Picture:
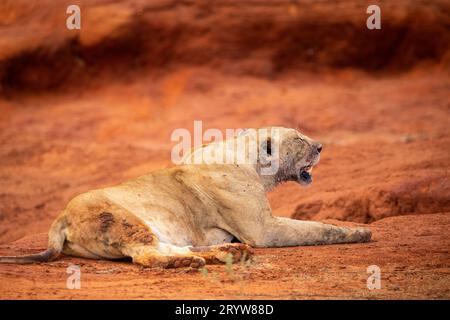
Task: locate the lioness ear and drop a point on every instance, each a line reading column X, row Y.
column 266, row 147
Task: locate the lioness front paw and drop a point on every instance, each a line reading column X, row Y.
column 188, row 261
column 361, row 235
column 238, row 251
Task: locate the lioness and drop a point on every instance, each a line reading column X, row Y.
column 189, row 215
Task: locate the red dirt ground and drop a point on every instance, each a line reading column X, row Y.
column 414, row 265
column 67, row 127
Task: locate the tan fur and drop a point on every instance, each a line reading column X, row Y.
column 187, row 215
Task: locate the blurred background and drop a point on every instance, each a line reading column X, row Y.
column 82, row 109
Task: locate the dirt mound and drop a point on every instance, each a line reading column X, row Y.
column 263, row 38
column 429, row 194
column 369, row 180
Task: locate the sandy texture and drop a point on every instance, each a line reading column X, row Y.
column 411, row 253
column 93, row 108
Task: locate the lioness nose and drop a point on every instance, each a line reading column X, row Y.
column 319, row 147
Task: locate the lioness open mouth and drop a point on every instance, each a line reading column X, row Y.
column 305, row 174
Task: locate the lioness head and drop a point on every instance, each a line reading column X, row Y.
column 297, row 154
column 278, row 154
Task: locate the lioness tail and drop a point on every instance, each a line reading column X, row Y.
column 56, row 238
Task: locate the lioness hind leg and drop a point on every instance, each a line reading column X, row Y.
column 100, row 229
column 149, row 256
column 170, row 256
column 219, row 253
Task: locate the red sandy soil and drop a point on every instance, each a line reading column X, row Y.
column 413, row 262
column 67, row 128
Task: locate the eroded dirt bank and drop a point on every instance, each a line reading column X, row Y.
column 259, row 37
column 91, row 109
